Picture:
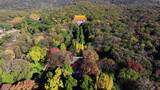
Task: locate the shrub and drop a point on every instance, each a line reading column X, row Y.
column 5, row 26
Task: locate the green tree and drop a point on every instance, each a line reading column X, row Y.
column 37, row 67
column 67, row 70
column 128, row 74
column 13, row 71
column 63, row 46
column 70, row 82
column 87, row 83
column 37, row 54
column 7, row 78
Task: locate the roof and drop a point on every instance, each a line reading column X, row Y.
column 80, row 17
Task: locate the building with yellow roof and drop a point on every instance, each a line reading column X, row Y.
column 79, row 19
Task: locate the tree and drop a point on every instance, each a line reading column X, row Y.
column 108, row 65
column 26, row 84
column 128, row 74
column 87, row 83
column 37, row 53
column 89, row 63
column 89, row 68
column 55, row 83
column 104, row 81
column 67, row 70
column 79, row 39
column 90, row 55
column 70, row 82
column 15, row 70
column 9, row 54
column 59, row 58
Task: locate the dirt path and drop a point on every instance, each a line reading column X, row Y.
column 8, row 32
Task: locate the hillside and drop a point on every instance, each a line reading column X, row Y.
column 29, row 4
column 82, row 46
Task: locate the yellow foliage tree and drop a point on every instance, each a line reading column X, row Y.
column 78, row 46
column 55, row 82
column 104, row 81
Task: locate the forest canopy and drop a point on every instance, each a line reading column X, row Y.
column 116, row 48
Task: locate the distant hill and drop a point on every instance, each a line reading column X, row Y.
column 27, row 4
column 137, row 2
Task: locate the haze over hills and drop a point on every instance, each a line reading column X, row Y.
column 23, row 4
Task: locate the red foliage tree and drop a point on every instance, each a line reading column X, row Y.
column 58, row 57
column 52, row 51
column 89, row 64
column 135, row 66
